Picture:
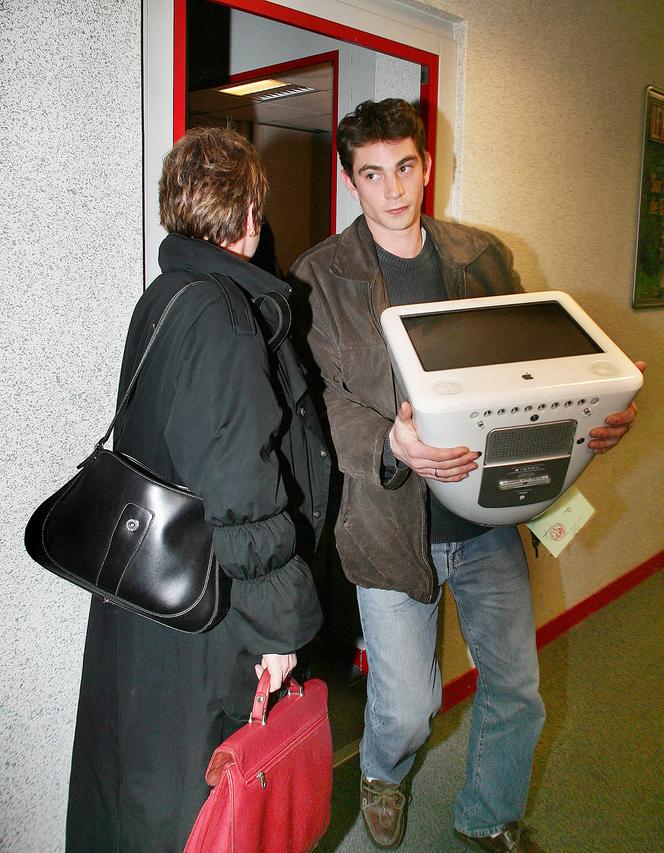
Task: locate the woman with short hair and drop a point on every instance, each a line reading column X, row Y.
column 215, row 410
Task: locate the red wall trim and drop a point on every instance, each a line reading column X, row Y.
column 333, row 164
column 559, row 624
column 458, row 689
column 429, row 114
column 179, row 68
column 464, row 685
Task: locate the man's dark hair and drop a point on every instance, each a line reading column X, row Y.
column 378, row 121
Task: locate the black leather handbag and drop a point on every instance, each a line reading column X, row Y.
column 121, row 532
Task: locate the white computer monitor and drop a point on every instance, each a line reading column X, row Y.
column 523, row 378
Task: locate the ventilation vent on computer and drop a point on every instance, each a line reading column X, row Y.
column 515, row 444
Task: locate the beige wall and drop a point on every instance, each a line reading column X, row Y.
column 553, row 116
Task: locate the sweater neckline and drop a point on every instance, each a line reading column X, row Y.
column 427, row 251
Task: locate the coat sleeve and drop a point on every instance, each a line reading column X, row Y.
column 357, row 430
column 222, row 434
column 493, row 273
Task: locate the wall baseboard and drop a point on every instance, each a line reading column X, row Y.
column 464, row 685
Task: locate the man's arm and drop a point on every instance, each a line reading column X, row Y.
column 358, row 431
column 447, row 465
column 617, row 425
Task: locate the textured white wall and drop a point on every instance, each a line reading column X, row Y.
column 394, row 75
column 71, row 270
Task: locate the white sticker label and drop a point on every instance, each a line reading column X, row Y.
column 556, row 527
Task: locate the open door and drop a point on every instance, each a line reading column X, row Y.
column 396, row 52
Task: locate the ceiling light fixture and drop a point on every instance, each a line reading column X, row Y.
column 267, row 90
column 253, row 87
column 286, row 92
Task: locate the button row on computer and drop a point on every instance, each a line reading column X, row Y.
column 530, row 408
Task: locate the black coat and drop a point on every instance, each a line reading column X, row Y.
column 214, row 411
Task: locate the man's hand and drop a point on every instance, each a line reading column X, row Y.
column 279, row 667
column 447, row 465
column 618, row 425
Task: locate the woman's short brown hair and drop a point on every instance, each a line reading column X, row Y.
column 379, row 121
column 210, row 179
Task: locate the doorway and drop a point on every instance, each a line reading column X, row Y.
column 219, row 44
column 391, row 51
column 369, row 65
column 288, row 110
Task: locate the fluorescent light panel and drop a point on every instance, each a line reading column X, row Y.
column 253, row 87
column 267, row 90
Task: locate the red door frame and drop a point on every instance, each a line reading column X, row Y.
column 332, row 57
column 312, row 23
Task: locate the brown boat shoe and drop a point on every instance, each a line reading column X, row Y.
column 512, row 839
column 383, row 806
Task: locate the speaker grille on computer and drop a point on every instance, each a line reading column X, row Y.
column 512, row 444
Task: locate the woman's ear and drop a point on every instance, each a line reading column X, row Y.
column 252, row 227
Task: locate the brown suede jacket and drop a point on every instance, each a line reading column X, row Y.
column 381, row 533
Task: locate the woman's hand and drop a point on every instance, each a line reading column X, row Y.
column 279, row 667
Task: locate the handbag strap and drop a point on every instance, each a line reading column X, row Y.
column 259, row 708
column 134, row 378
column 284, row 314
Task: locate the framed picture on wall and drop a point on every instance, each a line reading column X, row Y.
column 649, row 265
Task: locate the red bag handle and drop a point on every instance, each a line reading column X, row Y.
column 221, row 757
column 259, row 708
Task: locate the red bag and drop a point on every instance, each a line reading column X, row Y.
column 271, row 780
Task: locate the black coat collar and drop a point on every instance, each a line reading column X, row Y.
column 178, row 253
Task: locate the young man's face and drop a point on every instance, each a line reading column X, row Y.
column 388, row 180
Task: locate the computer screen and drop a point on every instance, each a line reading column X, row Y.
column 448, row 340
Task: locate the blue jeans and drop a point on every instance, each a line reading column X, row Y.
column 489, row 579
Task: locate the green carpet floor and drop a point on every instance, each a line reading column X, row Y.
column 598, row 779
